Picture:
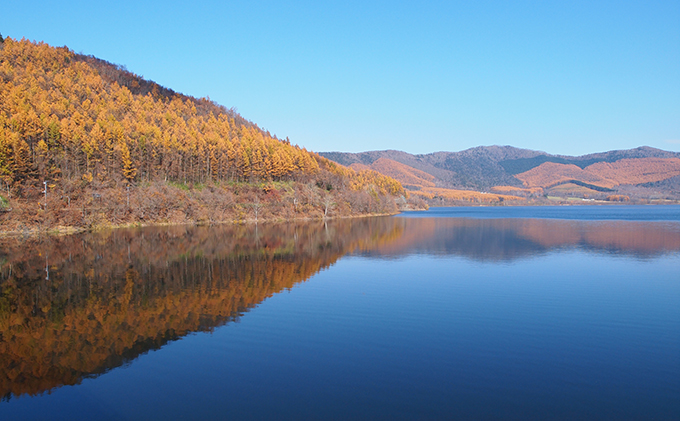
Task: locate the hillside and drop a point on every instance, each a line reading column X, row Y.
column 551, row 174
column 422, row 185
column 407, row 175
column 638, row 170
column 84, row 142
column 477, row 168
column 604, row 176
column 640, row 174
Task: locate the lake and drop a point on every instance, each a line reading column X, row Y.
column 470, row 313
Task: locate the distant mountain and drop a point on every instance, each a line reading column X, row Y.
column 477, row 168
column 516, row 166
column 651, row 171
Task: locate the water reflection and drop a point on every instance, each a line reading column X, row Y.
column 509, row 239
column 75, row 307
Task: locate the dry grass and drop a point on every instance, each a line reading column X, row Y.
column 637, row 171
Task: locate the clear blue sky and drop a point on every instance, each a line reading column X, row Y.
column 564, row 77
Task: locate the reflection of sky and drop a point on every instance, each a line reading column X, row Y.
column 425, row 336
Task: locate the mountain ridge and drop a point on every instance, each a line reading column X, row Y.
column 653, row 172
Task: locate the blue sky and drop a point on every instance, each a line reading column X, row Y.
column 564, row 77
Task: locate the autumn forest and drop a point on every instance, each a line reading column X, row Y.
column 85, row 143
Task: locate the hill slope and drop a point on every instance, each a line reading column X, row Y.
column 643, row 171
column 111, row 147
column 477, row 168
column 407, row 175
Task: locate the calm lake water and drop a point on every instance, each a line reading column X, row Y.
column 471, row 313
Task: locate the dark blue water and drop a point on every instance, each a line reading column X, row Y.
column 420, row 318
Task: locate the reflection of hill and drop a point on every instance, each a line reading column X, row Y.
column 105, row 299
column 508, row 239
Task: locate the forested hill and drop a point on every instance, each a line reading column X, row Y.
column 644, row 172
column 93, row 132
column 486, row 166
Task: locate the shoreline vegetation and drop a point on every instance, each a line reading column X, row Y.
column 163, row 204
column 267, row 216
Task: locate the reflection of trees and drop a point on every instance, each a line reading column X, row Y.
column 113, row 296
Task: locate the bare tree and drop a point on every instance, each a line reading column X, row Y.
column 257, row 205
column 328, row 204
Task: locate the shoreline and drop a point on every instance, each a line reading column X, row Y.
column 71, row 230
column 68, row 230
